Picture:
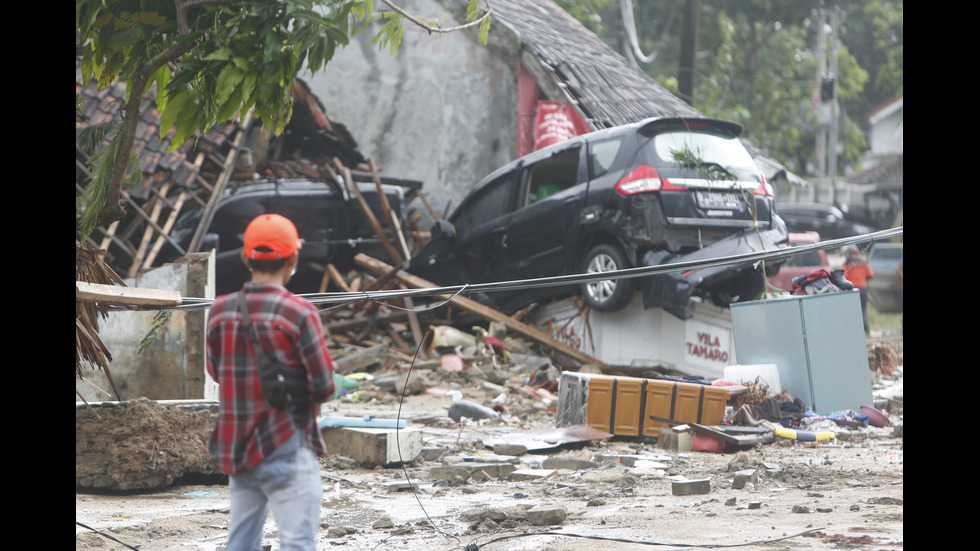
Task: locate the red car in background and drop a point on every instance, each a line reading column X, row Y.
column 800, row 264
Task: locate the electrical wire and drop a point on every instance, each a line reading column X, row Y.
column 475, row 547
column 344, row 298
column 629, row 23
column 107, row 536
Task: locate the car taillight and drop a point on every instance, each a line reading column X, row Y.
column 642, row 179
column 764, row 189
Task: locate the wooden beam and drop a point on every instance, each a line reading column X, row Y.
column 127, row 296
column 528, row 331
column 393, row 222
column 368, row 213
column 167, row 226
column 229, row 167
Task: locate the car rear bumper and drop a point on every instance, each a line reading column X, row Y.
column 673, row 290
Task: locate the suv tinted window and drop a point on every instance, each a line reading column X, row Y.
column 602, row 155
column 493, row 201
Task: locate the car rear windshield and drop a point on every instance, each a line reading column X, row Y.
column 698, row 154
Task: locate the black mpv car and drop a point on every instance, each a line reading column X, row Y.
column 657, row 191
column 329, row 220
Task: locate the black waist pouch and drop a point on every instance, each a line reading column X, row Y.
column 283, row 386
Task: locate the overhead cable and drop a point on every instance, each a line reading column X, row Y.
column 629, row 23
column 556, row 281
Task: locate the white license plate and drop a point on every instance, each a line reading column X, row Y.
column 714, row 200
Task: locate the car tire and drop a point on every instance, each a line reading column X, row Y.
column 606, row 295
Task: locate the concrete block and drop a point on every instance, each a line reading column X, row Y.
column 670, row 440
column 482, row 471
column 433, row 453
column 569, row 463
column 510, row 449
column 743, row 478
column 532, row 474
column 370, row 446
column 690, row 487
column 546, row 515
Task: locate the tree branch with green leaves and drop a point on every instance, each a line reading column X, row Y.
column 207, row 61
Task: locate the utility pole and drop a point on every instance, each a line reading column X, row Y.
column 821, row 137
column 834, row 106
column 689, row 49
column 827, row 108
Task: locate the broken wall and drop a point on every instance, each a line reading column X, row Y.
column 172, row 366
column 443, row 111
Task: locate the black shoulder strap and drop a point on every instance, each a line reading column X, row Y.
column 246, row 319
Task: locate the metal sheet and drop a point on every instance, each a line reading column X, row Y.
column 549, row 439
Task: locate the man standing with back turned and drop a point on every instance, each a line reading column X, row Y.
column 269, row 454
column 859, row 272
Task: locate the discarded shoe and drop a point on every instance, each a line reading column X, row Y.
column 838, row 279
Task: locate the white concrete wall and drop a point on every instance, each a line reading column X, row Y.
column 172, row 367
column 444, row 111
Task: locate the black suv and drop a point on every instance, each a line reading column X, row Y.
column 330, row 222
column 657, row 191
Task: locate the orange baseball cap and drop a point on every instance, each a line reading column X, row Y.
column 275, row 232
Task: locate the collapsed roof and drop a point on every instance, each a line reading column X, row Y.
column 186, row 177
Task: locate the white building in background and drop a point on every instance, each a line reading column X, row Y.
column 885, row 129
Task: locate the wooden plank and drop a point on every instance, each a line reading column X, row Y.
column 110, row 232
column 371, row 218
column 337, row 278
column 393, row 223
column 413, row 323
column 428, row 207
column 148, row 231
column 383, row 282
column 144, row 217
column 126, row 296
column 174, row 213
column 528, row 331
column 219, row 187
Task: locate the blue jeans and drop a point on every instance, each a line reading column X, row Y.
column 288, row 483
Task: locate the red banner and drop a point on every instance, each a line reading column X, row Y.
column 556, row 122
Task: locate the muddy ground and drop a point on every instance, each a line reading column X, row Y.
column 842, row 493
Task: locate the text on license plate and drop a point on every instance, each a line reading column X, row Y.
column 715, row 200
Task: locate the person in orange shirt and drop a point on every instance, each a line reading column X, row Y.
column 858, row 272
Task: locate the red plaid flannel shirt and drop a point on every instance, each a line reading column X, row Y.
column 289, row 327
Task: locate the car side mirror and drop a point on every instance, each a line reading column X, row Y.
column 442, row 230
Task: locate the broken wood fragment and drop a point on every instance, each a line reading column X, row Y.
column 127, row 296
column 393, row 221
column 368, row 213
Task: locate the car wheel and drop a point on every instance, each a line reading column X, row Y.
column 607, row 295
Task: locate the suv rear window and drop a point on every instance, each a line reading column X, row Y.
column 679, row 148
